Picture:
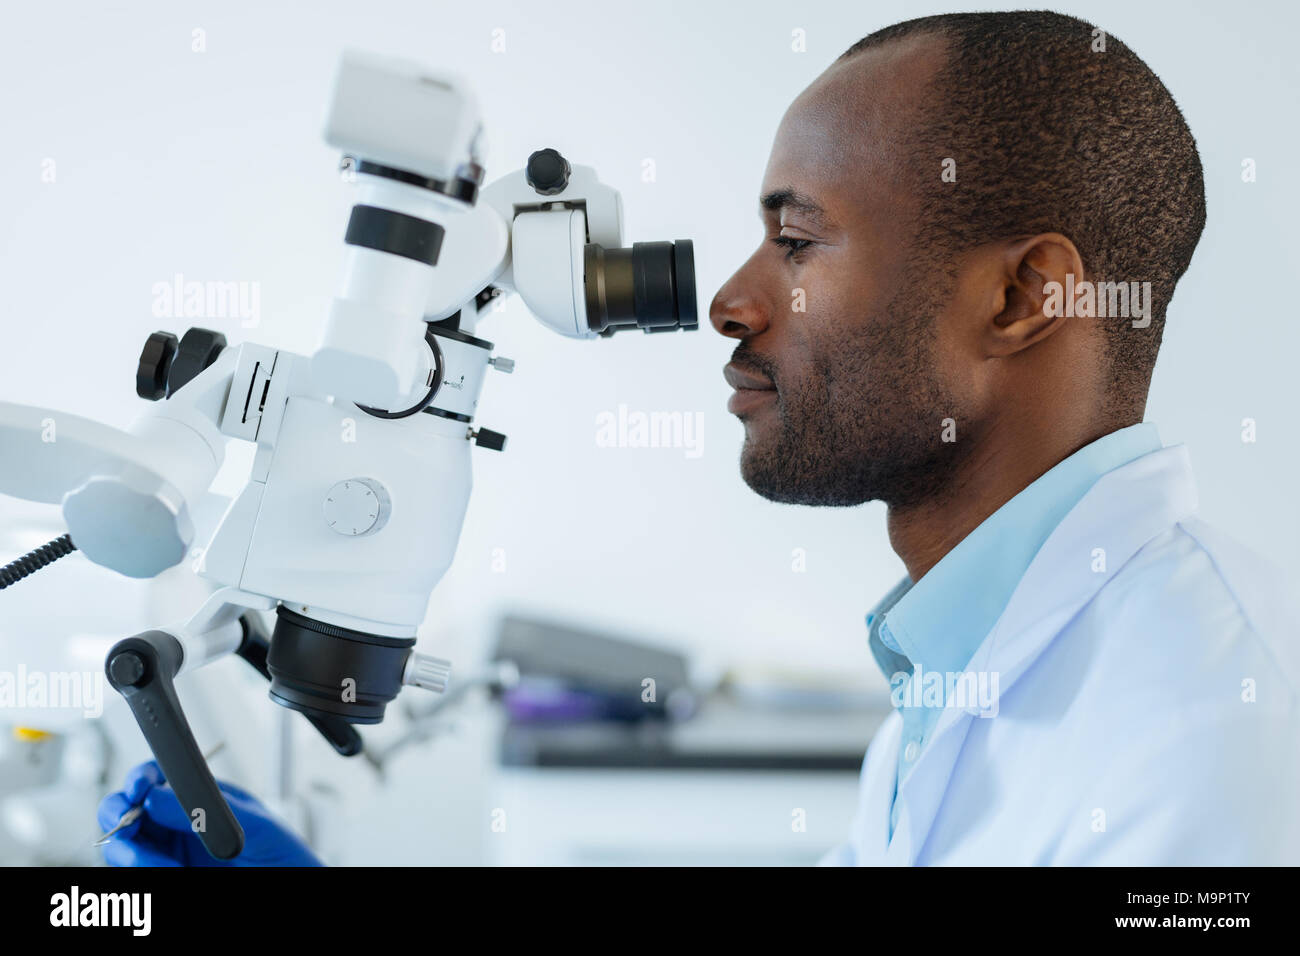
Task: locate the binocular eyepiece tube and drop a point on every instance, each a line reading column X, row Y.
column 650, row 286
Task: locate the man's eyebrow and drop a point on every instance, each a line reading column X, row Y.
column 795, row 201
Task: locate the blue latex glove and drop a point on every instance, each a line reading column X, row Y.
column 162, row 835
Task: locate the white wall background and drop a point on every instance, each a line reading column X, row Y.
column 211, row 165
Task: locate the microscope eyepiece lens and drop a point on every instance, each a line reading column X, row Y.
column 650, row 286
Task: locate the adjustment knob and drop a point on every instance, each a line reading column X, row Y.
column 134, row 497
column 547, row 172
column 487, row 438
column 198, row 349
column 357, row 506
column 126, row 667
column 155, row 364
column 431, row 673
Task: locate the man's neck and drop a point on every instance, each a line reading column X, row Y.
column 1005, row 462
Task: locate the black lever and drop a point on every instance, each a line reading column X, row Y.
column 142, row 669
column 342, row 736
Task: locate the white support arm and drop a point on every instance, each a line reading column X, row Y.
column 125, row 494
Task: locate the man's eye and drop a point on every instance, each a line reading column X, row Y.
column 792, row 244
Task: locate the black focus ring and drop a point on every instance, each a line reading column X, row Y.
column 395, row 232
column 462, row 190
column 443, row 413
column 333, row 630
column 654, row 293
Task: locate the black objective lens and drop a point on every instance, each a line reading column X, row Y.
column 650, row 286
column 329, row 671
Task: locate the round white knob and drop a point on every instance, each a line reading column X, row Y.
column 357, row 506
column 423, row 670
column 102, row 510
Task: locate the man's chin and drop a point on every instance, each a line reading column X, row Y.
column 783, row 475
column 763, row 469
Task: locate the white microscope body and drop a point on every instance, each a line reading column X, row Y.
column 361, row 477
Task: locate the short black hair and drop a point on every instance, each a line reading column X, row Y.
column 1051, row 134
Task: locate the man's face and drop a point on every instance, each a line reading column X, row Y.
column 839, row 367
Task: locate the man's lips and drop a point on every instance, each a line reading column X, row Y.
column 752, row 389
column 738, row 378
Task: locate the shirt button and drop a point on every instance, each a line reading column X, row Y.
column 910, row 752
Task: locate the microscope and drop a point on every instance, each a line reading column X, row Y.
column 361, row 476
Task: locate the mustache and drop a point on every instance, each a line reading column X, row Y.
column 745, row 357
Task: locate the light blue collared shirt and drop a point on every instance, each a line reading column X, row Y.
column 940, row 621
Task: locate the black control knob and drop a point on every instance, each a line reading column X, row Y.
column 547, row 172
column 127, row 668
column 155, row 364
column 487, row 438
column 198, row 349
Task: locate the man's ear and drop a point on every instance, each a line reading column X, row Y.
column 1029, row 303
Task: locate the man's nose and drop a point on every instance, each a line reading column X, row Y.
column 736, row 313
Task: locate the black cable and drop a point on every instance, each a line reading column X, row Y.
column 432, row 340
column 35, row 560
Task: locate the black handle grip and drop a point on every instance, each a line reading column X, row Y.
column 141, row 669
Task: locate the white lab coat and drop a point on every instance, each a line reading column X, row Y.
column 1148, row 712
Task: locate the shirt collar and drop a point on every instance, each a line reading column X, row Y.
column 941, row 620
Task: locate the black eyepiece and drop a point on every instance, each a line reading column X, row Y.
column 650, row 286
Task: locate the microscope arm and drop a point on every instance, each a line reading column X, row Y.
column 45, row 453
column 125, row 494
